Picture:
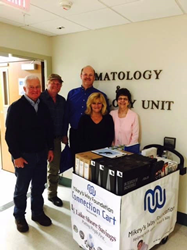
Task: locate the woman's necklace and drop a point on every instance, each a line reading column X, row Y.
column 122, row 113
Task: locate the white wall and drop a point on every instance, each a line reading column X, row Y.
column 21, row 39
column 153, row 45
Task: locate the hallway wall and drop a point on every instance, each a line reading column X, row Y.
column 26, row 44
column 152, row 45
column 19, row 39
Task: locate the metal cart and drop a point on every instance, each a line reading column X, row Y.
column 140, row 219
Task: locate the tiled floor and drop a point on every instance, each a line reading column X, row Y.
column 58, row 236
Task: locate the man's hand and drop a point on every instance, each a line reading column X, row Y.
column 19, row 162
column 65, row 139
column 50, row 156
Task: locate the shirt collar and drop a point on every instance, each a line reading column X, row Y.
column 88, row 90
column 48, row 95
column 31, row 101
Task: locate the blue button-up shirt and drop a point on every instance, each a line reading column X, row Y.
column 76, row 106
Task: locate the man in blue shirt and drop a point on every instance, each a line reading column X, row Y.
column 56, row 104
column 76, row 105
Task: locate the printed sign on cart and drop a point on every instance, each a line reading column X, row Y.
column 95, row 216
column 151, row 211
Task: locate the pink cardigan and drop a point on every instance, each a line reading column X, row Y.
column 126, row 129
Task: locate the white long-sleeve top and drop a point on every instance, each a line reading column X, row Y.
column 126, row 128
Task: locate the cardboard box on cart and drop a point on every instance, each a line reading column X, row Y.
column 82, row 163
column 102, row 220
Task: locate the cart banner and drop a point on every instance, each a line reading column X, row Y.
column 95, row 216
column 149, row 213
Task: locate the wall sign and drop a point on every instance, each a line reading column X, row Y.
column 136, row 75
column 21, row 84
column 128, row 75
column 150, row 104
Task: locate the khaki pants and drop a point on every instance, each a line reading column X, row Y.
column 53, row 170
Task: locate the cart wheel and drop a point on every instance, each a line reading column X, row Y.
column 164, row 240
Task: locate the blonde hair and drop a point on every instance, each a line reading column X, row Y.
column 91, row 99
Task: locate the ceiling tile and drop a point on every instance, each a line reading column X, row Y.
column 33, row 16
column 51, row 26
column 183, row 4
column 11, row 14
column 37, row 15
column 98, row 19
column 79, row 6
column 46, row 15
column 117, row 2
column 149, row 9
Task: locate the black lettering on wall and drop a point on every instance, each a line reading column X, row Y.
column 106, row 77
column 99, row 77
column 128, row 76
column 121, row 75
column 157, row 73
column 132, row 104
column 169, row 104
column 113, row 75
column 147, row 74
column 137, row 75
column 143, row 104
column 154, row 104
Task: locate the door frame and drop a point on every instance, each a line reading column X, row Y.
column 47, row 63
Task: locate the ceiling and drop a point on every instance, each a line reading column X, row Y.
column 49, row 18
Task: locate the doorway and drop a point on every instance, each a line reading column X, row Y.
column 12, row 74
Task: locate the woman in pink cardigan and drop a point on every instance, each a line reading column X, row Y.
column 125, row 120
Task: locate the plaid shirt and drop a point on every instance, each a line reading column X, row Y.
column 57, row 111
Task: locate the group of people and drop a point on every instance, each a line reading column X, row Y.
column 38, row 122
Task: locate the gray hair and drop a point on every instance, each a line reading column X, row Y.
column 30, row 77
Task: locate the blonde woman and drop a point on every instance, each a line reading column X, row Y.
column 96, row 127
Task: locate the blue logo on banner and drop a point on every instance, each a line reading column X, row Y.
column 154, row 199
column 91, row 190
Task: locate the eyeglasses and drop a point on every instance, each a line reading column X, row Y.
column 123, row 99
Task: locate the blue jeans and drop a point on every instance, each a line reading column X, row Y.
column 35, row 172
